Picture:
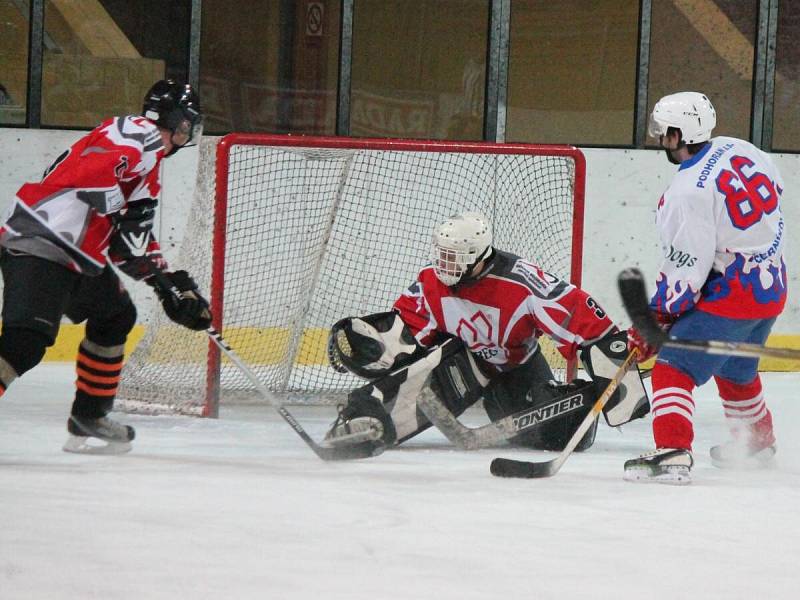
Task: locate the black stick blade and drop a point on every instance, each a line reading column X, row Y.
column 634, row 297
column 507, row 467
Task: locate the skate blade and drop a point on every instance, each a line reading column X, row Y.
column 76, row 444
column 672, row 476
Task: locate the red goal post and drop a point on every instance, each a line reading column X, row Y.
column 307, row 230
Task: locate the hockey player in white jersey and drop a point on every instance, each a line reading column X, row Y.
column 722, row 277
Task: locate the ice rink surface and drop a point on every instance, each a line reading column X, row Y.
column 239, row 508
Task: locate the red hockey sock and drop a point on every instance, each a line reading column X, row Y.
column 746, row 411
column 672, row 407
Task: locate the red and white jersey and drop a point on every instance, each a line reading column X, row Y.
column 722, row 234
column 501, row 314
column 65, row 217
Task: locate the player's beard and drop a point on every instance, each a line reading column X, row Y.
column 671, row 153
column 671, row 157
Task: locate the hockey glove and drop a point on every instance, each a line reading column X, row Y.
column 636, row 341
column 133, row 227
column 371, row 346
column 132, row 246
column 182, row 302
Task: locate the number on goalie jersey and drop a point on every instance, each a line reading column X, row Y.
column 498, row 306
column 94, row 205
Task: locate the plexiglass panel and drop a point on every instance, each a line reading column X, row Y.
column 706, row 46
column 270, row 66
column 101, row 57
column 572, row 71
column 786, row 125
column 419, row 68
column 13, row 61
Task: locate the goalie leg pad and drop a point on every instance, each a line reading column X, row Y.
column 360, row 417
column 549, row 412
column 391, row 400
column 458, row 382
column 448, row 369
column 560, row 408
column 601, row 361
column 508, row 392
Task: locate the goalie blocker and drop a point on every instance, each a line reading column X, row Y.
column 528, row 407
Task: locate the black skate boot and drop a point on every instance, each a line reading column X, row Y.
column 665, row 465
column 114, row 438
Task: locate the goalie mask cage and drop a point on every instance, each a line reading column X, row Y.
column 291, row 234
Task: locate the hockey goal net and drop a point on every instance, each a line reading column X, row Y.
column 291, row 234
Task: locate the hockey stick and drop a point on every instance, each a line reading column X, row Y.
column 634, row 298
column 363, row 449
column 471, row 438
column 507, row 467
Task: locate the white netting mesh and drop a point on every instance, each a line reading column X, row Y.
column 314, row 235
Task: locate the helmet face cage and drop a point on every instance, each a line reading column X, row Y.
column 458, row 244
column 691, row 112
column 450, row 264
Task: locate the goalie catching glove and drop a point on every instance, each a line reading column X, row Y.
column 371, row 346
column 181, row 299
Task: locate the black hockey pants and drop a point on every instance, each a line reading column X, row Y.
column 37, row 293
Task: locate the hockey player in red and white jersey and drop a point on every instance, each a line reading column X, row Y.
column 94, row 207
column 497, row 305
column 722, row 277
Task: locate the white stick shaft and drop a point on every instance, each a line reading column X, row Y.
column 593, row 414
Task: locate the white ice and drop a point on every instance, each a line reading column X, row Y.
column 239, row 508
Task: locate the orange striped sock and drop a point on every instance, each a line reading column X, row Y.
column 98, row 368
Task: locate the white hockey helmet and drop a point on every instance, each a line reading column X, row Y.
column 459, row 244
column 691, row 112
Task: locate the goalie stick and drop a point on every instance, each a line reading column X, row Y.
column 363, row 449
column 634, row 298
column 507, row 467
column 472, row 438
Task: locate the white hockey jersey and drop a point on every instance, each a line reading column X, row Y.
column 722, row 233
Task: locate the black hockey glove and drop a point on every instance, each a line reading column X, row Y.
column 132, row 228
column 131, row 238
column 182, row 300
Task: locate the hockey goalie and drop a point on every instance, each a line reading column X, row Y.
column 467, row 330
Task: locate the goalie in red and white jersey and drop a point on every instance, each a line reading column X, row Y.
column 497, row 305
column 95, row 206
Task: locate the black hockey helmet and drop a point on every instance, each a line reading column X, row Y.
column 175, row 107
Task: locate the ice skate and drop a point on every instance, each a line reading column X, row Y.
column 98, row 436
column 352, row 431
column 738, row 454
column 665, row 465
